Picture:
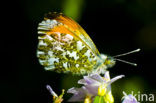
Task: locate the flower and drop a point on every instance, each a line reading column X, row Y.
column 129, row 98
column 93, row 85
column 56, row 98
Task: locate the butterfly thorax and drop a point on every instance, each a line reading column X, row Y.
column 104, row 62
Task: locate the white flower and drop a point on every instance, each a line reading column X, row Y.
column 129, row 98
column 93, row 85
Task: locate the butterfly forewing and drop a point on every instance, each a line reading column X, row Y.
column 64, row 46
column 74, row 27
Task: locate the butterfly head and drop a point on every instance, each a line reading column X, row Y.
column 108, row 61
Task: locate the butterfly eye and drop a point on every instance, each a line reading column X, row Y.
column 110, row 62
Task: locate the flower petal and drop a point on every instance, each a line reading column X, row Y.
column 97, row 77
column 90, row 81
column 107, row 76
column 92, row 89
column 51, row 91
column 79, row 94
column 82, row 81
column 129, row 99
column 115, row 79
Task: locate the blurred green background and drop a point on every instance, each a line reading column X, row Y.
column 116, row 26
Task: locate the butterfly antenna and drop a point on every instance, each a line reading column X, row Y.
column 134, row 64
column 134, row 51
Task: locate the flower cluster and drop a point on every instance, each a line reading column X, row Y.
column 95, row 88
column 94, row 85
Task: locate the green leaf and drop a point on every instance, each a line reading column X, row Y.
column 99, row 99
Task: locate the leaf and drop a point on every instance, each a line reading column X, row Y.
column 99, row 99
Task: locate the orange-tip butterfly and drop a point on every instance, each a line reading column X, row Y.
column 64, row 46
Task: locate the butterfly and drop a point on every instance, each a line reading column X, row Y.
column 64, row 46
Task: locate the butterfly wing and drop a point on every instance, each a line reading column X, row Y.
column 64, row 46
column 75, row 28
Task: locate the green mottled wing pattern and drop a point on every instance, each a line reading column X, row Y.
column 61, row 51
